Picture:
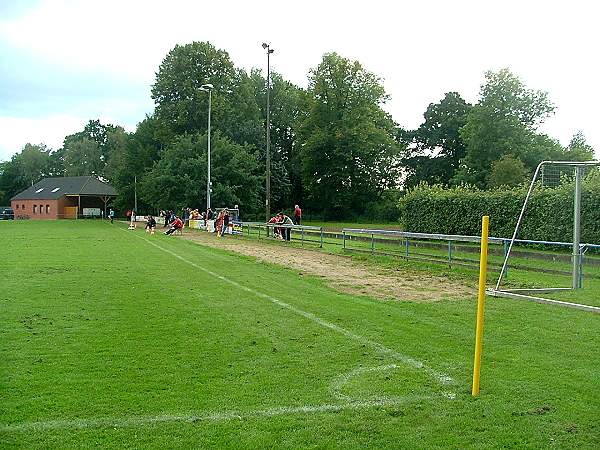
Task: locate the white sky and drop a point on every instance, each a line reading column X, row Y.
column 65, row 62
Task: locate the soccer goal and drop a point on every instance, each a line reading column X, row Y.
column 551, row 174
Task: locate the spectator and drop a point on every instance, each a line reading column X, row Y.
column 287, row 230
column 111, row 214
column 176, row 224
column 219, row 222
column 150, row 225
column 276, row 230
column 225, row 225
column 297, row 215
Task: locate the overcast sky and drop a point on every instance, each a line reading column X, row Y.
column 65, row 62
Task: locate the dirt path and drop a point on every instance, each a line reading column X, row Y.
column 340, row 272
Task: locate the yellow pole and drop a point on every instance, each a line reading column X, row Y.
column 480, row 303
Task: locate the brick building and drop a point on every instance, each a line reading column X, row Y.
column 63, row 198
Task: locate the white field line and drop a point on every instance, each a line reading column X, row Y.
column 409, row 361
column 223, row 416
column 139, row 421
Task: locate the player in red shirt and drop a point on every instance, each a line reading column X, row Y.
column 177, row 224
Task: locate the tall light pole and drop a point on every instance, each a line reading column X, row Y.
column 208, row 88
column 269, row 50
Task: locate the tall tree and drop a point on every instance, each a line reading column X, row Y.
column 178, row 179
column 182, row 105
column 348, row 149
column 436, row 147
column 35, row 162
column 24, row 169
column 504, row 121
column 285, row 110
column 579, row 149
column 88, row 151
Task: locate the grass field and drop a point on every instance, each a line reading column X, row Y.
column 115, row 339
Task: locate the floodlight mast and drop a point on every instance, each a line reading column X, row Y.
column 208, row 88
column 269, row 50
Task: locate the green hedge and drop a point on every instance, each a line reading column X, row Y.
column 458, row 210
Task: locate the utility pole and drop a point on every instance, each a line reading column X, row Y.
column 135, row 194
column 208, row 88
column 267, row 47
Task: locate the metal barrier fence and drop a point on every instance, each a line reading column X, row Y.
column 455, row 249
column 302, row 233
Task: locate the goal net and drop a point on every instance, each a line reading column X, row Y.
column 565, row 248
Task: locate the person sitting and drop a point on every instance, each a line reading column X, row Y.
column 176, row 225
column 150, row 225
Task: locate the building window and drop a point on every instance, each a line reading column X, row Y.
column 17, row 206
column 55, row 189
column 34, row 209
column 41, row 209
column 23, row 207
column 47, row 209
column 39, row 190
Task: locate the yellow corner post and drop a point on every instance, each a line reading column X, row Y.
column 485, row 222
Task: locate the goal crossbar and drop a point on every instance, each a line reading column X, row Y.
column 577, row 251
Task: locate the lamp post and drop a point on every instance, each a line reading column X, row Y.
column 208, row 88
column 269, row 50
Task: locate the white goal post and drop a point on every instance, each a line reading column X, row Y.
column 577, row 171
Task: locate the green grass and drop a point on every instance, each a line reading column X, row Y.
column 108, row 341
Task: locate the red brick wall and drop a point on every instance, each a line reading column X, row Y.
column 24, row 209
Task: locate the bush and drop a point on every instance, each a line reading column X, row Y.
column 458, row 210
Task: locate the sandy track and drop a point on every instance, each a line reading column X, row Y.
column 340, row 272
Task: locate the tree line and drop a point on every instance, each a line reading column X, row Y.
column 334, row 149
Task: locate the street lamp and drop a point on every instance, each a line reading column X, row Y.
column 208, row 88
column 269, row 50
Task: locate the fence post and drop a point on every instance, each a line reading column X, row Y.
column 505, row 245
column 321, row 246
column 581, row 257
column 406, row 245
column 302, row 231
column 372, row 244
column 344, row 239
column 450, row 252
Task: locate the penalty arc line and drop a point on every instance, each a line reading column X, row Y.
column 137, row 421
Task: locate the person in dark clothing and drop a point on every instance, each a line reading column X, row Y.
column 150, row 225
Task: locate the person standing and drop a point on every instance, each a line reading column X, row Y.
column 225, row 225
column 287, row 229
column 111, row 214
column 297, row 215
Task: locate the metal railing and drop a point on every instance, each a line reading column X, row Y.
column 300, row 233
column 447, row 249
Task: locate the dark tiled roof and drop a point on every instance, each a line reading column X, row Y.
column 66, row 186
